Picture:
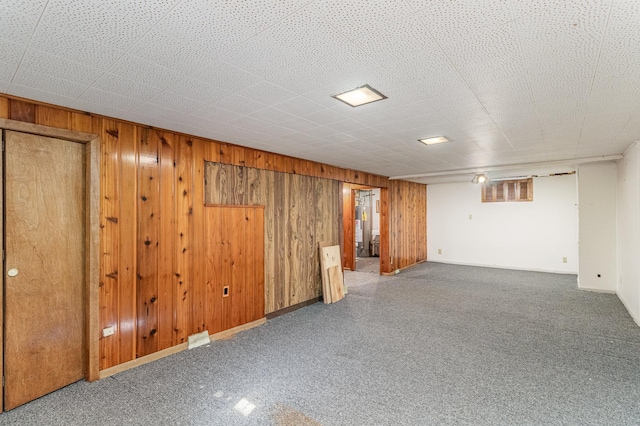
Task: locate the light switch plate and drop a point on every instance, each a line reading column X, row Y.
column 108, row 331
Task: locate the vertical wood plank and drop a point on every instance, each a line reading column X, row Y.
column 241, row 264
column 212, row 151
column 4, row 107
column 279, row 240
column 81, row 122
column 198, row 301
column 183, row 215
column 127, row 240
column 214, row 261
column 148, row 243
column 258, row 286
column 166, row 245
column 22, row 111
column 270, row 283
column 226, row 266
column 109, row 218
column 52, row 117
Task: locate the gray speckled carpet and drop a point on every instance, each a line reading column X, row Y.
column 370, row 265
column 436, row 344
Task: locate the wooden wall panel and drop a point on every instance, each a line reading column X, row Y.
column 183, row 236
column 148, row 238
column 128, row 135
column 299, row 211
column 166, row 239
column 169, row 269
column 22, row 111
column 407, row 209
column 110, row 277
column 198, row 292
column 234, row 259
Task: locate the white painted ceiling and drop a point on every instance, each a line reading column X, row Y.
column 508, row 81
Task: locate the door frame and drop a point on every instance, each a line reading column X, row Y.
column 349, row 202
column 92, row 241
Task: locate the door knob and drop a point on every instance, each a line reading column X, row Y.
column 12, row 272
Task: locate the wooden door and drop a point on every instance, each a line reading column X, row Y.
column 234, row 266
column 44, row 267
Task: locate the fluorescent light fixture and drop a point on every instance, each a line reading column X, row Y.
column 360, row 96
column 479, row 178
column 434, row 140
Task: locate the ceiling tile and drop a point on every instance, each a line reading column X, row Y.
column 75, row 47
column 43, row 63
column 356, row 17
column 143, row 71
column 115, row 23
column 125, row 87
column 19, row 18
column 49, row 84
column 11, row 54
column 108, row 99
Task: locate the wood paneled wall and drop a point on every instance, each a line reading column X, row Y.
column 300, row 212
column 234, row 259
column 152, row 224
column 407, row 224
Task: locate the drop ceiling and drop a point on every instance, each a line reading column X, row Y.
column 507, row 81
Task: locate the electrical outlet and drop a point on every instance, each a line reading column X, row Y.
column 439, row 251
column 564, row 260
column 108, row 331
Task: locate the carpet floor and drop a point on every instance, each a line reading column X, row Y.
column 436, row 344
column 370, row 265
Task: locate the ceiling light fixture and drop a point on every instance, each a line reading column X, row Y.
column 434, row 140
column 479, row 178
column 360, row 96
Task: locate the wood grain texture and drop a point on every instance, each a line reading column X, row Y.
column 234, row 259
column 407, row 211
column 166, row 238
column 198, row 289
column 183, row 240
column 22, row 111
column 127, row 229
column 109, row 243
column 147, row 248
column 179, row 229
column 44, row 303
column 298, row 211
column 4, row 107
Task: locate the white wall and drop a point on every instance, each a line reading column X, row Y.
column 597, row 215
column 628, row 288
column 520, row 235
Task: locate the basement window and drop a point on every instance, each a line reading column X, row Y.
column 507, row 190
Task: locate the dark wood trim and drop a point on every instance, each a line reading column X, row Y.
column 293, row 308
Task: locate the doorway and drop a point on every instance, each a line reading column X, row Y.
column 50, row 244
column 44, row 265
column 367, row 230
column 363, row 229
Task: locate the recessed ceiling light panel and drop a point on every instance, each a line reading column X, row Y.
column 434, row 140
column 360, row 96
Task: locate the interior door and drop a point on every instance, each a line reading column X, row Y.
column 44, row 266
